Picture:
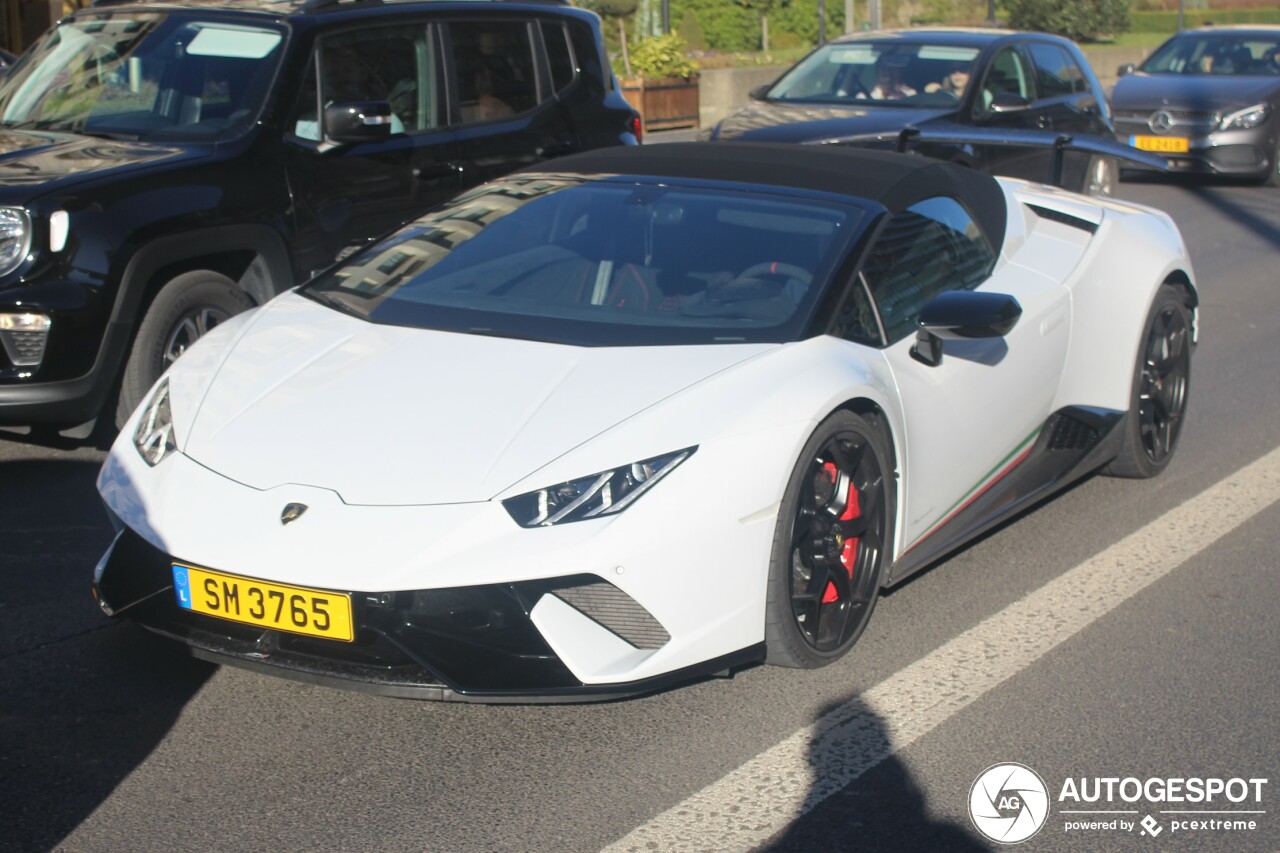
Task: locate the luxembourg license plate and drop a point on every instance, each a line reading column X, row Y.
column 295, row 609
column 1162, row 144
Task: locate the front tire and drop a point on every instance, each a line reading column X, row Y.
column 830, row 545
column 1158, row 400
column 183, row 310
column 1272, row 178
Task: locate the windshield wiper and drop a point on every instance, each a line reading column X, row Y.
column 106, row 134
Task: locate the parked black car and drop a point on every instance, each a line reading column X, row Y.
column 876, row 83
column 1207, row 100
column 165, row 166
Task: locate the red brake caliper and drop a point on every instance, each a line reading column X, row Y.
column 849, row 552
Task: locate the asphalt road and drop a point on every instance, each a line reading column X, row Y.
column 1035, row 645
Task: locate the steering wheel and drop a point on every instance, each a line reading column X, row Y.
column 777, row 269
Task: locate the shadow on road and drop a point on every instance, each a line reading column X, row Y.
column 83, row 700
column 881, row 809
column 1223, row 195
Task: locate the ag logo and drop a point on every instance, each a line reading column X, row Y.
column 1008, row 803
column 292, row 512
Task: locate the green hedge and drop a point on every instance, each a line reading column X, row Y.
column 1167, row 22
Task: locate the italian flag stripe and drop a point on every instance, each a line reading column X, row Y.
column 995, row 475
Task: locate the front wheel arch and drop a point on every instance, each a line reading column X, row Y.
column 833, row 541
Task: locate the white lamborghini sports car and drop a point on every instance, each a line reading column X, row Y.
column 640, row 416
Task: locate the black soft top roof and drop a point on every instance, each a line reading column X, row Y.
column 895, row 181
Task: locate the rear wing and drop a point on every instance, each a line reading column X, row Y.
column 947, row 133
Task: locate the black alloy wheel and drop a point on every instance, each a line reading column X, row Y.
column 830, row 544
column 1161, row 382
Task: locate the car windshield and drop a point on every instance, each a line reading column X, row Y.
column 603, row 262
column 1219, row 54
column 882, row 72
column 143, row 76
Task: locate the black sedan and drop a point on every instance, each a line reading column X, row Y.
column 994, row 80
column 1207, row 100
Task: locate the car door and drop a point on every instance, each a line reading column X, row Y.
column 1066, row 97
column 1006, row 99
column 346, row 194
column 504, row 109
column 969, row 418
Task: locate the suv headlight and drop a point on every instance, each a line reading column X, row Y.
column 15, row 238
column 1245, row 118
column 598, row 495
column 154, row 435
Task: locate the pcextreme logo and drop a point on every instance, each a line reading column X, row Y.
column 1009, row 803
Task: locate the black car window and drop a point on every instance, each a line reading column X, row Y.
column 1216, row 53
column 147, row 76
column 559, row 54
column 857, row 320
column 931, row 247
column 603, row 263
column 493, row 61
column 392, row 64
column 1057, row 74
column 1007, row 75
column 903, row 70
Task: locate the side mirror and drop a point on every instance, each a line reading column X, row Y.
column 1008, row 102
column 962, row 315
column 357, row 121
column 758, row 93
column 1126, row 69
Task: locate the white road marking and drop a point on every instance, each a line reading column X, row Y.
column 771, row 791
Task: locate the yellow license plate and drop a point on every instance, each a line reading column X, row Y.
column 295, row 609
column 1163, row 144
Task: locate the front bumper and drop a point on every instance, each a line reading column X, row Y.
column 478, row 644
column 1230, row 153
column 78, row 363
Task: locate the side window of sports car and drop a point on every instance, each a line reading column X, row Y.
column 857, row 320
column 931, row 247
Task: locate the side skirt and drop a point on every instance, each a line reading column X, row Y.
column 1075, row 442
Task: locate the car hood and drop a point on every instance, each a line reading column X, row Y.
column 1207, row 93
column 773, row 121
column 394, row 416
column 49, row 160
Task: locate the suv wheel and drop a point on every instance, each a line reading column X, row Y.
column 183, row 311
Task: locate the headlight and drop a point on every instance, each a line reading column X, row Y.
column 154, row 435
column 15, row 238
column 606, row 493
column 1246, row 118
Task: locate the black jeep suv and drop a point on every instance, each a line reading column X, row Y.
column 164, row 166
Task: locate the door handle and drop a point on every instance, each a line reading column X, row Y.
column 555, row 149
column 433, row 171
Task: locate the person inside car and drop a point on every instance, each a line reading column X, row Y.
column 953, row 83
column 889, row 85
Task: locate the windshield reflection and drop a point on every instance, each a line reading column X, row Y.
column 596, row 262
column 142, row 76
